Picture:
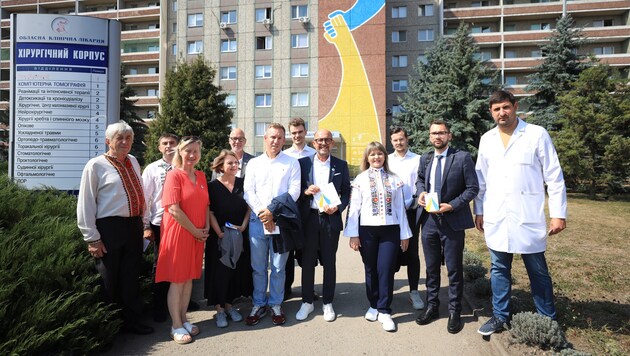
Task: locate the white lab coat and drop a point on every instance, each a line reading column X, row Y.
column 512, row 191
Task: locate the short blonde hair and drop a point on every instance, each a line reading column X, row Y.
column 178, row 161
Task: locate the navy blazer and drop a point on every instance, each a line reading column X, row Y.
column 459, row 187
column 339, row 176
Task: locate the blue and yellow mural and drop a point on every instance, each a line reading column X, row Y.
column 352, row 72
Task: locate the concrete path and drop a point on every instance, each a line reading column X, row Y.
column 349, row 334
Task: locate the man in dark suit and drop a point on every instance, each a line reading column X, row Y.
column 322, row 228
column 237, row 142
column 450, row 174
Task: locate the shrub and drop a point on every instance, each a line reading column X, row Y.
column 472, row 259
column 49, row 295
column 571, row 352
column 481, row 287
column 472, row 272
column 537, row 330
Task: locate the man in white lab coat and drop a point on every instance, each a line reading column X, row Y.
column 515, row 161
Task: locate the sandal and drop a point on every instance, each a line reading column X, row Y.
column 192, row 329
column 179, row 336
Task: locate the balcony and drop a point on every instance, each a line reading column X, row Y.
column 140, row 34
column 142, row 79
column 145, row 101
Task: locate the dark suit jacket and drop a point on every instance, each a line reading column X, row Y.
column 339, row 176
column 459, row 187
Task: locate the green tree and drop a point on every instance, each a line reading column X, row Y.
column 595, row 136
column 128, row 115
column 452, row 85
column 192, row 106
column 561, row 66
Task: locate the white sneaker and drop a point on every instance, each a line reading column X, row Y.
column 304, row 311
column 329, row 312
column 416, row 300
column 386, row 320
column 371, row 314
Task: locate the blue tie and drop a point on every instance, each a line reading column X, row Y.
column 438, row 177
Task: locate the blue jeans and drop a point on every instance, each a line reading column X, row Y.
column 539, row 280
column 261, row 253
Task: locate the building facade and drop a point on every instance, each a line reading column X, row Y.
column 341, row 65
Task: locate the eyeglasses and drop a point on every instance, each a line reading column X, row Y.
column 321, row 141
column 237, row 139
column 439, row 133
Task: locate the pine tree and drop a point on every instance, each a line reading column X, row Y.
column 452, row 85
column 128, row 115
column 561, row 66
column 193, row 106
column 595, row 136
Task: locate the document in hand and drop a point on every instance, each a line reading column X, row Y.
column 432, row 202
column 327, row 196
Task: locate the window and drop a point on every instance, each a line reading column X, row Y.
column 174, row 50
column 195, row 20
column 540, row 26
column 230, row 100
column 425, row 10
column 423, row 59
column 299, row 99
column 150, row 114
column 509, row 27
column 399, row 36
column 510, row 81
column 153, row 48
column 228, row 16
column 480, row 3
column 153, row 92
column 195, row 47
column 603, row 50
column 174, row 27
column 425, row 35
column 261, row 128
column 298, row 11
column 536, row 53
column 603, row 23
column 299, row 70
column 228, row 45
column 480, row 29
column 399, row 85
column 263, row 100
column 153, row 26
column 399, row 12
column 263, row 14
column 510, row 54
column 299, row 40
column 175, row 6
column 133, row 71
column 264, row 42
column 397, row 109
column 399, row 61
column 482, row 56
column 508, row 2
column 153, row 70
column 227, row 73
column 263, row 72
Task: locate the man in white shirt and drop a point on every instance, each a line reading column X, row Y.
column 405, row 164
column 153, row 178
column 299, row 149
column 269, row 175
column 515, row 161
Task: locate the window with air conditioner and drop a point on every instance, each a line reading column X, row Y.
column 298, row 11
column 262, row 71
column 228, row 45
column 399, row 85
column 195, row 20
column 227, row 73
column 425, row 10
column 264, row 42
column 299, row 99
column 299, row 70
column 263, row 14
column 228, row 16
column 399, row 12
column 425, row 35
column 399, row 61
column 195, row 47
column 299, row 40
column 399, row 36
column 262, row 100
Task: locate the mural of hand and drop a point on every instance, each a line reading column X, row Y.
column 361, row 12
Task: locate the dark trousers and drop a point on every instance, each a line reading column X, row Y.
column 379, row 252
column 118, row 268
column 160, row 289
column 319, row 238
column 437, row 236
column 411, row 257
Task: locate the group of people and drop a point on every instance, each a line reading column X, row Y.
column 283, row 206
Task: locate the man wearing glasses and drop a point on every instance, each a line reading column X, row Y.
column 449, row 174
column 322, row 228
column 237, row 143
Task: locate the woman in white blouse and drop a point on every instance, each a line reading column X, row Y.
column 377, row 227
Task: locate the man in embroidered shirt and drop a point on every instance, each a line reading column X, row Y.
column 299, row 149
column 405, row 164
column 153, row 180
column 269, row 175
column 109, row 214
column 515, row 161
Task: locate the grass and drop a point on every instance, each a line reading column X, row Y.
column 589, row 265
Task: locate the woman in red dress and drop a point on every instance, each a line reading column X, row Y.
column 185, row 229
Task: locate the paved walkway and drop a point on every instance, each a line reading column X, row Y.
column 349, row 334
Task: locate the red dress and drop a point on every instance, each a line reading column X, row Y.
column 181, row 255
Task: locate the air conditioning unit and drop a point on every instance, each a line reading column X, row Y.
column 224, row 25
column 267, row 22
column 304, row 19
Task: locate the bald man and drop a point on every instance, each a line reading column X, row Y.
column 237, row 143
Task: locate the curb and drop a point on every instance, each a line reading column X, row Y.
column 496, row 344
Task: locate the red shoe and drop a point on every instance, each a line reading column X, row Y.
column 277, row 315
column 257, row 313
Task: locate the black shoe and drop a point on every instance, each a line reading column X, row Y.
column 455, row 324
column 193, row 306
column 137, row 328
column 429, row 315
